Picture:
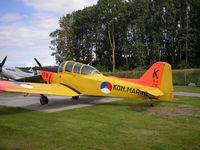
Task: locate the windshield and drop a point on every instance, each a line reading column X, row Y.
column 60, row 69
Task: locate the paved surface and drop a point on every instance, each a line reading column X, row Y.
column 187, row 94
column 56, row 103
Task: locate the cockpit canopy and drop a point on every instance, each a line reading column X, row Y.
column 79, row 68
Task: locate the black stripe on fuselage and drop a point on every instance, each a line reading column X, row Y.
column 71, row 88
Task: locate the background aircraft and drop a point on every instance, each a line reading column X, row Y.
column 31, row 75
column 74, row 79
column 17, row 74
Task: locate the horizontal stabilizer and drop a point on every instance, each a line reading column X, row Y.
column 153, row 91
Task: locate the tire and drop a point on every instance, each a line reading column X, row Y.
column 75, row 97
column 43, row 100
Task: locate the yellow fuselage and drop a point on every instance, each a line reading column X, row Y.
column 92, row 85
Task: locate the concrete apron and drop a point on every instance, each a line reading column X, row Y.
column 56, row 103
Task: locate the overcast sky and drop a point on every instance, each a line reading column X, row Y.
column 25, row 26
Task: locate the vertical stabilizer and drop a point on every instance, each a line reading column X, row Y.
column 159, row 75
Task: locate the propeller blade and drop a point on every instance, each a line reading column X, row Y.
column 3, row 62
column 38, row 63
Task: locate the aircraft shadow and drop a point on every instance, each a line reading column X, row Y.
column 141, row 106
column 58, row 103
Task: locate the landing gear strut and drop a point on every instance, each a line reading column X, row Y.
column 151, row 102
column 43, row 100
column 75, row 97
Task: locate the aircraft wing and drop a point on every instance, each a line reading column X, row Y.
column 151, row 90
column 38, row 88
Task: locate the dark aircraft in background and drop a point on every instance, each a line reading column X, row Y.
column 14, row 73
column 17, row 74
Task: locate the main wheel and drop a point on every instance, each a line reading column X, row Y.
column 75, row 97
column 43, row 100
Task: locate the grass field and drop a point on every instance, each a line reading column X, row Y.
column 130, row 124
column 187, row 89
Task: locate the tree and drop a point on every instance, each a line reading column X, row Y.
column 118, row 34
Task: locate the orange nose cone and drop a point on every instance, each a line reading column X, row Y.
column 47, row 76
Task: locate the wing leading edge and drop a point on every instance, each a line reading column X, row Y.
column 38, row 88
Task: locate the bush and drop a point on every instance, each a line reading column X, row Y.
column 183, row 65
column 125, row 74
column 186, row 76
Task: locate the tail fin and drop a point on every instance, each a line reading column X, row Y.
column 159, row 75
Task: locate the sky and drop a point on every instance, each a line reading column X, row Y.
column 25, row 26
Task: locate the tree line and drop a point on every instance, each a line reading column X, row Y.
column 124, row 34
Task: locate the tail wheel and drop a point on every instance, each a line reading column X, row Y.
column 75, row 97
column 43, row 99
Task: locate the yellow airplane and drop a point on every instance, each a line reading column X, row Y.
column 74, row 79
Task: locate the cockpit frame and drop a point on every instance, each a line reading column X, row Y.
column 77, row 68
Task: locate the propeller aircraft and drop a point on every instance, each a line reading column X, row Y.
column 17, row 74
column 75, row 79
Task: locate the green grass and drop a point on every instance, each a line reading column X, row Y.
column 187, row 89
column 128, row 124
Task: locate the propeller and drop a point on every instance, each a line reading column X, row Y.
column 47, row 68
column 38, row 63
column 2, row 63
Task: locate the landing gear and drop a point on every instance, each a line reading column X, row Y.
column 26, row 94
column 75, row 97
column 43, row 100
column 151, row 102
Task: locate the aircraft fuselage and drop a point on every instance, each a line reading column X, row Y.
column 99, row 85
